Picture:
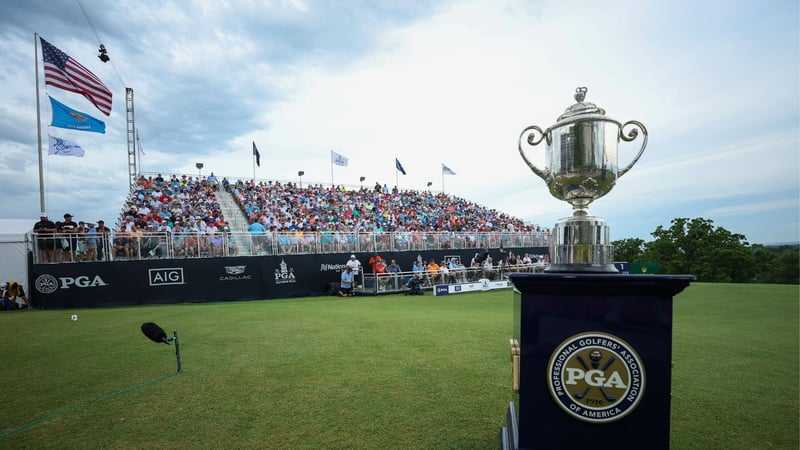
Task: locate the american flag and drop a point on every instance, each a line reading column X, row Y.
column 63, row 72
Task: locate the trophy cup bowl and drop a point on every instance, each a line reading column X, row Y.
column 581, row 158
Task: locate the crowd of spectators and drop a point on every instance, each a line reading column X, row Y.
column 285, row 207
column 158, row 204
column 185, row 208
column 184, row 211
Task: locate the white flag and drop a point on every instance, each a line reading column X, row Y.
column 446, row 170
column 64, row 147
column 139, row 142
column 339, row 160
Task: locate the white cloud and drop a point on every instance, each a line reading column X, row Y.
column 451, row 83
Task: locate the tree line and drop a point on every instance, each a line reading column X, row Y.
column 712, row 254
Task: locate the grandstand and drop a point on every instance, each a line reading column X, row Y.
column 206, row 224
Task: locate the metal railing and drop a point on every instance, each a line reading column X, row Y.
column 120, row 246
column 374, row 283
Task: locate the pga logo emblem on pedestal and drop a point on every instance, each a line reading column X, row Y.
column 596, row 377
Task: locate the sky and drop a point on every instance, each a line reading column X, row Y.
column 716, row 84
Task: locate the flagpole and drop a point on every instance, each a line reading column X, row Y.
column 254, row 166
column 39, row 123
column 332, row 185
column 442, row 181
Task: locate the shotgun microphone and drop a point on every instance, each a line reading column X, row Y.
column 155, row 333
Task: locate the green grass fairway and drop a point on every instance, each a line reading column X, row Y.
column 365, row 372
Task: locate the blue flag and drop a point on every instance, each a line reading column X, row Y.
column 66, row 117
column 399, row 166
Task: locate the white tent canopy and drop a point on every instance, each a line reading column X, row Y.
column 15, row 239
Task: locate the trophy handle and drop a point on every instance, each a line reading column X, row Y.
column 629, row 137
column 534, row 139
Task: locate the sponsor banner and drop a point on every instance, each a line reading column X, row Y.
column 151, row 281
column 165, row 276
column 480, row 285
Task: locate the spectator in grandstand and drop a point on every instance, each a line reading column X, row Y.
column 347, row 283
column 129, row 224
column 44, row 231
column 541, row 263
column 91, row 242
column 69, row 237
column 178, row 239
column 433, row 272
column 215, row 240
column 382, row 274
column 512, row 261
column 393, row 267
column 121, row 247
column 80, row 244
column 457, row 272
column 136, row 237
column 488, row 268
column 149, row 242
column 14, row 296
column 257, row 230
column 527, row 263
column 394, row 270
column 444, row 272
column 373, row 262
column 102, row 239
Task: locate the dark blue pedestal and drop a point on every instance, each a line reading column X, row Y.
column 595, row 360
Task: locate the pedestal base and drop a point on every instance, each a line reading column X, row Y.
column 595, row 360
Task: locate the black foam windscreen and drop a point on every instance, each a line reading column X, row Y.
column 154, row 332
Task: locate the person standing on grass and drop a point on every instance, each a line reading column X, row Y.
column 355, row 266
column 346, row 284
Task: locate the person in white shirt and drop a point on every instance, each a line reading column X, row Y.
column 488, row 268
column 355, row 265
column 445, row 272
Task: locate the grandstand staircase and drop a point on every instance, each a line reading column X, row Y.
column 231, row 210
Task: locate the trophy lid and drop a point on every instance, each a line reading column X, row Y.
column 581, row 108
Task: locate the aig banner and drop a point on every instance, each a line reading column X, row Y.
column 145, row 282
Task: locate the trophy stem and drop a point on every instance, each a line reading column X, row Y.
column 581, row 244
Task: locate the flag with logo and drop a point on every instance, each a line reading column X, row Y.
column 63, row 147
column 256, row 154
column 446, row 170
column 63, row 72
column 66, row 117
column 399, row 166
column 339, row 160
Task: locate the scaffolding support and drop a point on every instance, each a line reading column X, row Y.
column 133, row 166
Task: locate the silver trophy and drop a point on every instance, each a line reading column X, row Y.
column 581, row 166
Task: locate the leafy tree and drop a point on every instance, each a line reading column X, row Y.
column 628, row 249
column 777, row 265
column 697, row 247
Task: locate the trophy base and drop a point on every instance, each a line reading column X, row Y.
column 581, row 244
